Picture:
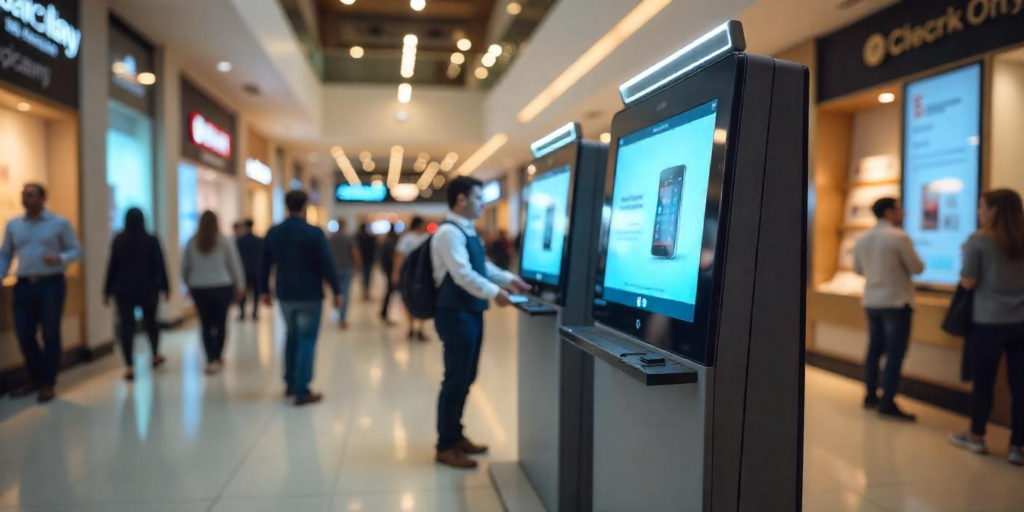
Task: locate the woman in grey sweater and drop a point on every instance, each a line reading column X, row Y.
column 994, row 270
column 212, row 270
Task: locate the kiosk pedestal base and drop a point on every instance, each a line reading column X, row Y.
column 514, row 489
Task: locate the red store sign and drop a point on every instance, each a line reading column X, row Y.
column 209, row 136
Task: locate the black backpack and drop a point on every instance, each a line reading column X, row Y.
column 416, row 282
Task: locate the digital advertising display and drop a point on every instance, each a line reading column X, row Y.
column 547, row 215
column 941, row 167
column 657, row 214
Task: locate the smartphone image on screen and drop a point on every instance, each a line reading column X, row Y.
column 549, row 226
column 666, row 218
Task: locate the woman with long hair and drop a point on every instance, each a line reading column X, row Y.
column 993, row 269
column 136, row 276
column 212, row 270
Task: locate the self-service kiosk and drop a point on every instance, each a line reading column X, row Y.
column 560, row 230
column 699, row 288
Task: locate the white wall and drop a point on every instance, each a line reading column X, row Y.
column 1007, row 166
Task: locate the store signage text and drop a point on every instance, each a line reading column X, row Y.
column 258, row 171
column 909, row 37
column 12, row 59
column 209, row 136
column 46, row 20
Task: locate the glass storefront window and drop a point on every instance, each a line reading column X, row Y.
column 129, row 164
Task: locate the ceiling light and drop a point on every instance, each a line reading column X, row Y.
column 495, row 49
column 146, row 78
column 886, row 97
column 464, row 44
column 410, row 40
column 407, row 73
column 419, row 166
column 453, row 71
column 458, row 58
column 428, row 175
column 606, row 138
column 336, row 151
column 24, row 106
column 397, row 149
column 439, row 181
column 377, row 182
column 514, row 8
column 395, row 166
column 224, row 66
column 426, row 193
column 356, row 52
column 365, row 155
column 401, row 116
column 404, row 93
column 405, row 192
column 482, row 154
column 369, row 166
column 418, row 5
column 119, row 68
column 348, row 2
column 346, row 166
column 632, row 22
column 481, row 73
column 488, row 60
column 531, row 170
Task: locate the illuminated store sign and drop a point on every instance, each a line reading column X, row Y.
column 258, row 171
column 361, row 193
column 491, row 192
column 44, row 19
column 209, row 136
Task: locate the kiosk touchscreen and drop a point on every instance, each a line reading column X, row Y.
column 699, row 286
column 561, row 225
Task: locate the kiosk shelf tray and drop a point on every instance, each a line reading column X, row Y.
column 535, row 309
column 626, row 356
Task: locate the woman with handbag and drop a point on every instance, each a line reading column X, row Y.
column 993, row 269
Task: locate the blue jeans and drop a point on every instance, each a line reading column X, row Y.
column 889, row 333
column 345, row 282
column 302, row 321
column 462, row 334
column 987, row 344
column 40, row 304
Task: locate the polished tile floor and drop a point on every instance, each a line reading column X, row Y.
column 177, row 441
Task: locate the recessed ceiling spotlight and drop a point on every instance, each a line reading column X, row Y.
column 364, row 156
column 886, row 97
column 24, row 106
column 224, row 66
column 410, row 40
column 514, row 8
column 356, row 52
column 495, row 49
column 401, row 116
column 404, row 93
column 488, row 60
column 464, row 44
column 348, row 2
column 453, row 71
column 481, row 73
column 418, row 5
column 146, row 78
column 458, row 58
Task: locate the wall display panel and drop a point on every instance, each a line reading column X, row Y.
column 941, row 168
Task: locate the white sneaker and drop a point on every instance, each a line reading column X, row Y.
column 966, row 441
column 1015, row 456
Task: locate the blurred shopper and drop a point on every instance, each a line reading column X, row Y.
column 346, row 257
column 250, row 247
column 407, row 243
column 885, row 256
column 302, row 259
column 136, row 276
column 994, row 270
column 501, row 250
column 387, row 265
column 212, row 270
column 45, row 245
column 466, row 281
column 368, row 253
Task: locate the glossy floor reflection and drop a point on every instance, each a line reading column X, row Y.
column 177, row 441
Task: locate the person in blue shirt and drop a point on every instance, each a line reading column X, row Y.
column 45, row 245
column 303, row 262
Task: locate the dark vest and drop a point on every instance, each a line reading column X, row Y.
column 451, row 295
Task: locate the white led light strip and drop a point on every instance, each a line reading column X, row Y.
column 554, row 140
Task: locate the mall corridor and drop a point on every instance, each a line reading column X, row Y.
column 177, row 441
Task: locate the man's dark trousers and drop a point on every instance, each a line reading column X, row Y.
column 889, row 333
column 462, row 334
column 40, row 303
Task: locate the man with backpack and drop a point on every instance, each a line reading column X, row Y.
column 464, row 282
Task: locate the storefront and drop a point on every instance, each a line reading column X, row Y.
column 923, row 101
column 206, row 172
column 39, row 134
column 130, row 141
column 259, row 183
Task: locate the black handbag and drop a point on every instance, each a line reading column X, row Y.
column 958, row 323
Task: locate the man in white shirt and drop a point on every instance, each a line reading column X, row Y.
column 411, row 240
column 466, row 281
column 885, row 256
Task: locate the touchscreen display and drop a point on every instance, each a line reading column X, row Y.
column 657, row 214
column 547, row 212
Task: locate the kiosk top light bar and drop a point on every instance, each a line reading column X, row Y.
column 555, row 140
column 710, row 48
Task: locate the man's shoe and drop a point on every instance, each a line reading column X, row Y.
column 129, row 375
column 466, row 446
column 895, row 413
column 25, row 390
column 311, row 398
column 288, row 393
column 1015, row 456
column 966, row 441
column 455, row 459
column 871, row 401
column 46, row 394
column 158, row 361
